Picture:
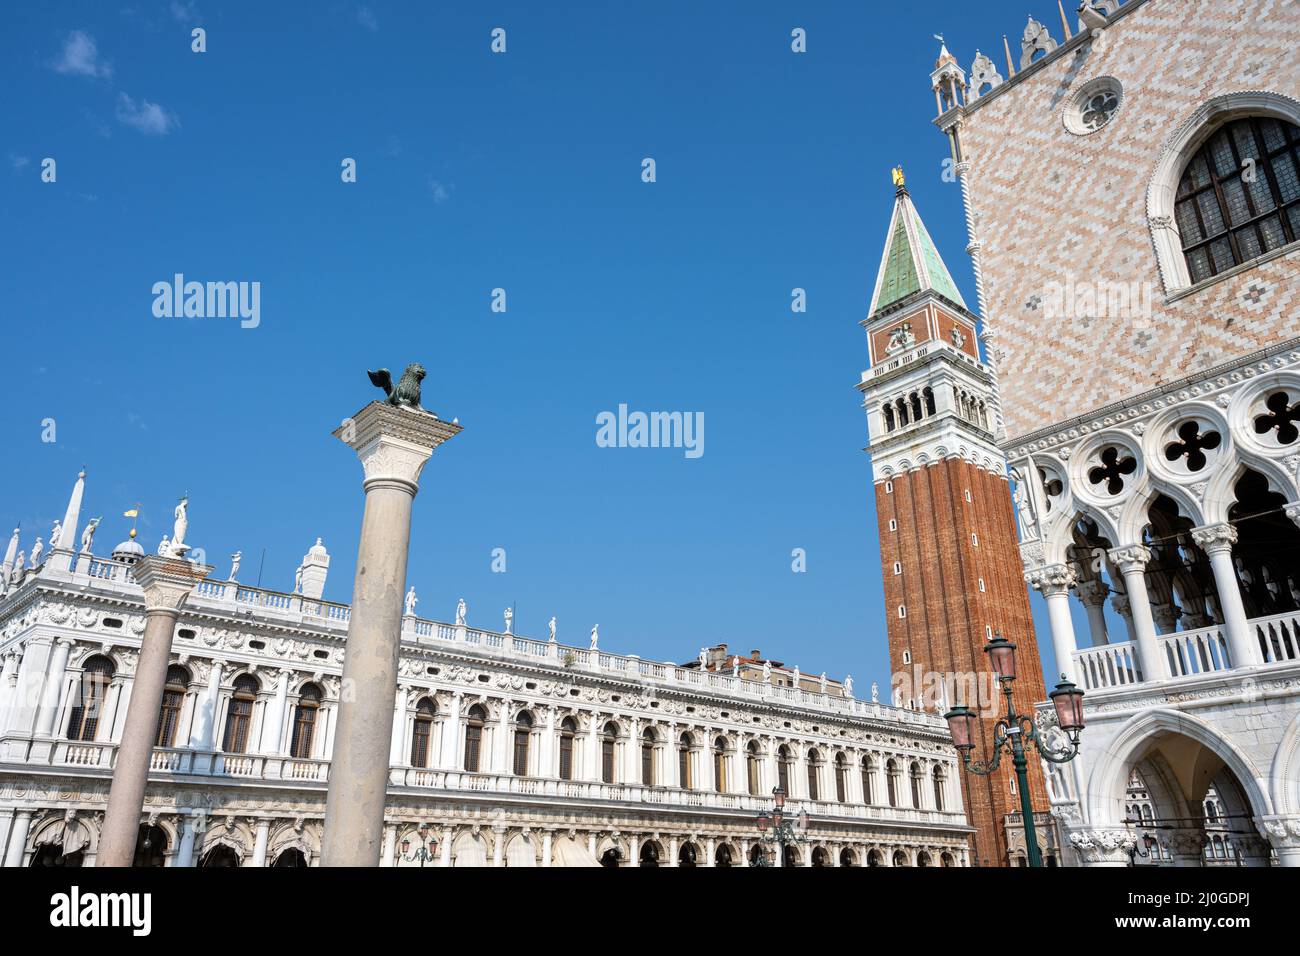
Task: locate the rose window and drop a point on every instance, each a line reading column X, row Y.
column 1093, row 106
column 1115, row 464
column 1192, row 445
column 1099, row 109
column 1281, row 418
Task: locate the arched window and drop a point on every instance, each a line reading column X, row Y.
column 648, row 758
column 685, row 779
column 783, row 762
column 841, row 778
column 889, row 418
column 474, row 722
column 938, row 788
column 915, row 399
column 928, row 394
column 891, row 782
column 915, row 775
column 752, row 767
column 608, row 742
column 523, row 733
column 169, row 715
column 96, row 673
column 1227, row 215
column 568, row 730
column 422, row 732
column 814, row 771
column 239, row 715
column 868, row 780
column 720, row 765
column 304, row 721
column 150, row 846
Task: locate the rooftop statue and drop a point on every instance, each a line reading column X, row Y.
column 407, row 391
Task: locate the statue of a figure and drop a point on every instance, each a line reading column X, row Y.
column 182, row 525
column 823, row 682
column 795, row 682
column 56, row 533
column 460, row 613
column 406, row 394
column 767, row 672
column 898, row 697
column 88, row 536
column 165, row 547
column 510, row 620
column 1024, row 507
column 848, row 687
column 234, row 564
column 16, row 574
column 411, row 601
column 735, row 666
column 297, row 578
column 37, row 550
column 551, row 626
column 595, row 635
column 704, row 659
column 875, row 692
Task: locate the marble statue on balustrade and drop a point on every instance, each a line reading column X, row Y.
column 1024, row 506
column 551, row 626
column 88, row 535
column 460, row 613
column 875, row 692
column 37, row 549
column 297, row 580
column 767, row 672
column 595, row 636
column 406, row 393
column 17, row 573
column 234, row 564
column 411, row 601
column 56, row 534
column 510, row 620
column 735, row 666
column 704, row 658
column 794, row 682
column 848, row 687
column 822, row 683
column 165, row 546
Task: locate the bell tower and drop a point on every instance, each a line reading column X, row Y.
column 948, row 542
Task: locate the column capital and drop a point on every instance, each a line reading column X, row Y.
column 1215, row 538
column 393, row 443
column 1052, row 579
column 1103, row 846
column 1293, row 511
column 1093, row 593
column 167, row 582
column 1282, row 832
column 1130, row 558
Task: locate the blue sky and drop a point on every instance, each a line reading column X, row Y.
column 476, row 171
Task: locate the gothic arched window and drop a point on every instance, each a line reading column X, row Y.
column 169, row 715
column 1239, row 197
column 91, row 691
column 239, row 715
column 474, row 722
column 422, row 732
column 304, row 721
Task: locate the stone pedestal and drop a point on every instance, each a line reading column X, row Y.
column 393, row 444
column 166, row 583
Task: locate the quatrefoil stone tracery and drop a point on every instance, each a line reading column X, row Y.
column 1115, row 464
column 1281, row 418
column 1192, row 445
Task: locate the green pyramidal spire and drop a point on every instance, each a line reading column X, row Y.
column 911, row 262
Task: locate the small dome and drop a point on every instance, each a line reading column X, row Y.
column 128, row 552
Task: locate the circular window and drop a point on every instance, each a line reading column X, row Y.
column 1093, row 106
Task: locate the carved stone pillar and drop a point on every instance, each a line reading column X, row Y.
column 167, row 582
column 1284, row 835
column 1293, row 512
column 1110, row 848
column 1217, row 541
column 1093, row 595
column 1055, row 581
column 1132, row 563
column 393, row 445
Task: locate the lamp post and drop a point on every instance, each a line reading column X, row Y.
column 425, row 852
column 1014, row 732
column 776, row 830
column 1147, row 840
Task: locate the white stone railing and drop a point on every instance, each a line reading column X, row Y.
column 1203, row 651
column 1107, row 665
column 1278, row 636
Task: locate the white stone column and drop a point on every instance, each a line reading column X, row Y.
column 1103, row 848
column 260, row 837
column 500, row 744
column 393, row 445
column 397, row 749
column 167, row 582
column 32, row 669
column 444, row 855
column 449, row 760
column 1055, row 581
column 273, row 720
column 8, row 685
column 498, row 844
column 1284, row 835
column 591, row 770
column 546, row 847
column 185, row 851
column 17, row 849
column 1120, row 603
column 546, row 752
column 710, row 849
column 1093, row 595
column 1217, row 541
column 203, row 736
column 389, row 857
column 1132, row 563
column 52, row 692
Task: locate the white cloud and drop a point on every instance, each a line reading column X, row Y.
column 439, row 192
column 80, row 57
column 18, row 162
column 184, row 12
column 149, row 118
column 366, row 17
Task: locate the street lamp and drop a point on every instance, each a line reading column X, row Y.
column 424, row 853
column 1012, row 732
column 1147, row 840
column 775, row 829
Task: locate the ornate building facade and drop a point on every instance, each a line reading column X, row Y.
column 506, row 751
column 1132, row 194
column 947, row 533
